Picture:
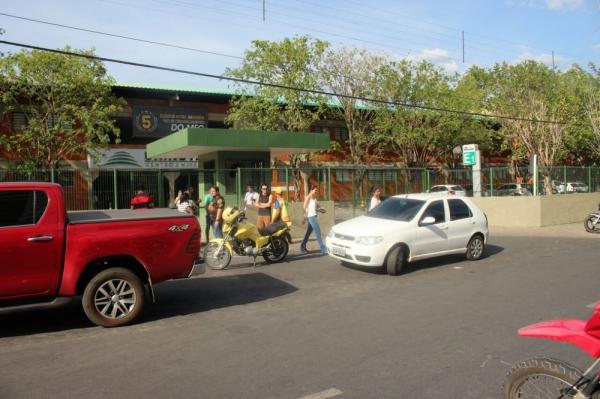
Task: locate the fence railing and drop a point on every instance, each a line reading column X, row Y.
column 347, row 186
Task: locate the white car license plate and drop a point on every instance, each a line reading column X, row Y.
column 338, row 251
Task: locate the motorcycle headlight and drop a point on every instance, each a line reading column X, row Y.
column 368, row 240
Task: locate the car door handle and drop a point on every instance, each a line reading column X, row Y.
column 40, row 238
column 443, row 227
column 472, row 222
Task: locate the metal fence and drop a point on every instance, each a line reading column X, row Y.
column 347, row 187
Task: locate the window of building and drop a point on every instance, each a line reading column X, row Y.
column 19, row 121
column 340, row 133
column 458, row 209
column 343, row 175
column 53, row 121
column 21, row 207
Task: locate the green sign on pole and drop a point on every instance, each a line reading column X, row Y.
column 469, row 158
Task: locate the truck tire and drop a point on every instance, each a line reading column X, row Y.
column 113, row 297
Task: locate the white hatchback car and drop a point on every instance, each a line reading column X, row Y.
column 410, row 227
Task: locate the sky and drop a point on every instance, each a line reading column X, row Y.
column 494, row 31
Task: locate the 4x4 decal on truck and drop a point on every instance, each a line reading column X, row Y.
column 179, row 229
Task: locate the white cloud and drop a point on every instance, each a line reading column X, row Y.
column 560, row 4
column 437, row 56
column 551, row 4
column 543, row 58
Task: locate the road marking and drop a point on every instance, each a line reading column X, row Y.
column 328, row 393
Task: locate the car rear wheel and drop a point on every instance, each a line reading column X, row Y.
column 475, row 248
column 113, row 297
column 395, row 261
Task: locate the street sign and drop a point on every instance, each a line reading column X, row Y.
column 469, row 158
column 469, row 152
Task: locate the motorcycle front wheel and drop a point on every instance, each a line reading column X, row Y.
column 540, row 378
column 216, row 256
column 279, row 250
column 590, row 227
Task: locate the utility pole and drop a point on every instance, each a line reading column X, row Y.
column 553, row 66
column 463, row 45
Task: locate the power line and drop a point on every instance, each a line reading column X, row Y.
column 279, row 86
column 137, row 39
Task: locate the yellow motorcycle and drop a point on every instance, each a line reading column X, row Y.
column 245, row 239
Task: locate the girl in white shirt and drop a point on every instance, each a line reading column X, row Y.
column 183, row 203
column 375, row 197
column 310, row 211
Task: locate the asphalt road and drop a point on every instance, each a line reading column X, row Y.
column 312, row 328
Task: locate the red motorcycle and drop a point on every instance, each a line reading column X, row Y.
column 551, row 378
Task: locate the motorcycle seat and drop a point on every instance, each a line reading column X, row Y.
column 272, row 228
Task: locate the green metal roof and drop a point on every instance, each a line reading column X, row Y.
column 178, row 88
column 190, row 143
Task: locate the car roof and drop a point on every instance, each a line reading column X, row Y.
column 427, row 196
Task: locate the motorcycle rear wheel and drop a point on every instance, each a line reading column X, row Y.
column 540, row 378
column 279, row 250
column 588, row 223
column 215, row 258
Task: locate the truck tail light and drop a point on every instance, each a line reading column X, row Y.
column 193, row 244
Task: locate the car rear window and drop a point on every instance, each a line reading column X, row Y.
column 459, row 210
column 21, row 207
column 401, row 209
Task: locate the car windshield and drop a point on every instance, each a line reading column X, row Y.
column 401, row 209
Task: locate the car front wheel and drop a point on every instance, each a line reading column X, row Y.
column 113, row 297
column 395, row 261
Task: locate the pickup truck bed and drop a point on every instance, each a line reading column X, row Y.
column 122, row 215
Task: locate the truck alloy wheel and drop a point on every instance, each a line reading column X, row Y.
column 113, row 297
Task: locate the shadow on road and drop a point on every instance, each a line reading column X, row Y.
column 174, row 298
column 490, row 250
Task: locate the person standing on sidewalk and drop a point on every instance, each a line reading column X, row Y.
column 310, row 211
column 375, row 197
column 263, row 204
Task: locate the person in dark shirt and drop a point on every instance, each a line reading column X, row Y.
column 216, row 208
column 141, row 200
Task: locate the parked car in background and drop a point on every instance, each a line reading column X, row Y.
column 577, row 187
column 513, row 189
column 409, row 227
column 451, row 189
column 571, row 187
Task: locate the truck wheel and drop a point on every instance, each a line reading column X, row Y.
column 113, row 297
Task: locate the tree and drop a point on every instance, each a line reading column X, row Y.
column 353, row 74
column 536, row 96
column 292, row 62
column 66, row 104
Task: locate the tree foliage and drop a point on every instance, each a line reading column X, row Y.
column 66, row 102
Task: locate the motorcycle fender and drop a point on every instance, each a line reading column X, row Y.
column 279, row 233
column 226, row 243
column 262, row 241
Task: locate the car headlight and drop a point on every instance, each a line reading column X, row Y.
column 368, row 240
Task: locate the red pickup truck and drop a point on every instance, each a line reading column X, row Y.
column 49, row 255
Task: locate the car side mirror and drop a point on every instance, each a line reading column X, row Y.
column 429, row 220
